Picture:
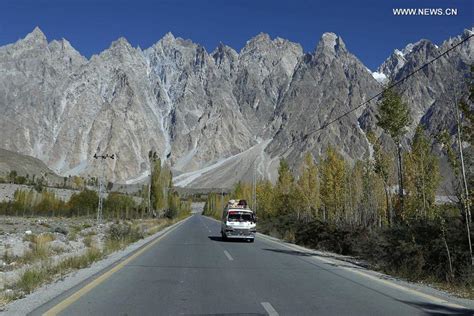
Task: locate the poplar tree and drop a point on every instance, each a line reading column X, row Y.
column 332, row 185
column 394, row 117
column 308, row 184
column 265, row 198
column 156, row 194
column 383, row 168
column 284, row 187
column 422, row 177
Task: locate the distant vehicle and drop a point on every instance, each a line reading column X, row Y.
column 238, row 221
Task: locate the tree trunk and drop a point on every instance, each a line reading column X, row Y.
column 423, row 188
column 389, row 210
column 451, row 273
column 400, row 179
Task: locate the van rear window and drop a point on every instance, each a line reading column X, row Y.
column 239, row 217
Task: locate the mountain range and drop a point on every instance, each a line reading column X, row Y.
column 216, row 117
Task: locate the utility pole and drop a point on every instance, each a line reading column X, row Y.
column 222, row 198
column 149, row 193
column 466, row 201
column 101, row 184
column 254, row 188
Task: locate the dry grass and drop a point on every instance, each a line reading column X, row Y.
column 39, row 249
column 5, row 299
column 33, row 278
column 8, row 257
column 158, row 225
column 88, row 241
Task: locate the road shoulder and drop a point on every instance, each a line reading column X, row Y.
column 49, row 295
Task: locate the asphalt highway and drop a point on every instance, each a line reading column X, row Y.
column 191, row 271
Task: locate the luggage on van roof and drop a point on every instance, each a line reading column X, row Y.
column 237, row 203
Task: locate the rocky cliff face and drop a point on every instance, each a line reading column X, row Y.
column 214, row 117
column 326, row 83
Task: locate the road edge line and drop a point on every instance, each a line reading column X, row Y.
column 364, row 274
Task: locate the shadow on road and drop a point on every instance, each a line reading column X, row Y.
column 351, row 263
column 228, row 314
column 435, row 309
column 219, row 238
column 292, row 252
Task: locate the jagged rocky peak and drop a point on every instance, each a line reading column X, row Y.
column 121, row 51
column 332, row 44
column 173, row 48
column 169, row 40
column 62, row 49
column 225, row 58
column 120, row 42
column 62, row 45
column 121, row 46
column 258, row 40
column 423, row 45
column 397, row 60
column 453, row 40
column 223, row 51
column 65, row 47
column 169, row 37
column 36, row 37
column 263, row 42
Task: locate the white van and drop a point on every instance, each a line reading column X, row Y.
column 238, row 221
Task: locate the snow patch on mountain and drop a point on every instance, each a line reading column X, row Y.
column 380, row 77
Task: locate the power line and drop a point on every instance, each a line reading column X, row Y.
column 390, row 86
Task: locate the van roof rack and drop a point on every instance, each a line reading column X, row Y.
column 237, row 203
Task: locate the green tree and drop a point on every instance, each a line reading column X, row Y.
column 12, row 176
column 118, row 205
column 394, row 117
column 83, row 203
column 422, row 177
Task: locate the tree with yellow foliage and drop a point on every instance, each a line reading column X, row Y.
column 308, row 185
column 333, row 171
column 422, row 177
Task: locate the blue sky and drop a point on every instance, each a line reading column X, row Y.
column 368, row 27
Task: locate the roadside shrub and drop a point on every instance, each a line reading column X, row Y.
column 124, row 232
column 414, row 250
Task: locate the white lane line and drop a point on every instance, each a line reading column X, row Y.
column 269, row 308
column 227, row 254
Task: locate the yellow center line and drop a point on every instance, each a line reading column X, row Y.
column 55, row 310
